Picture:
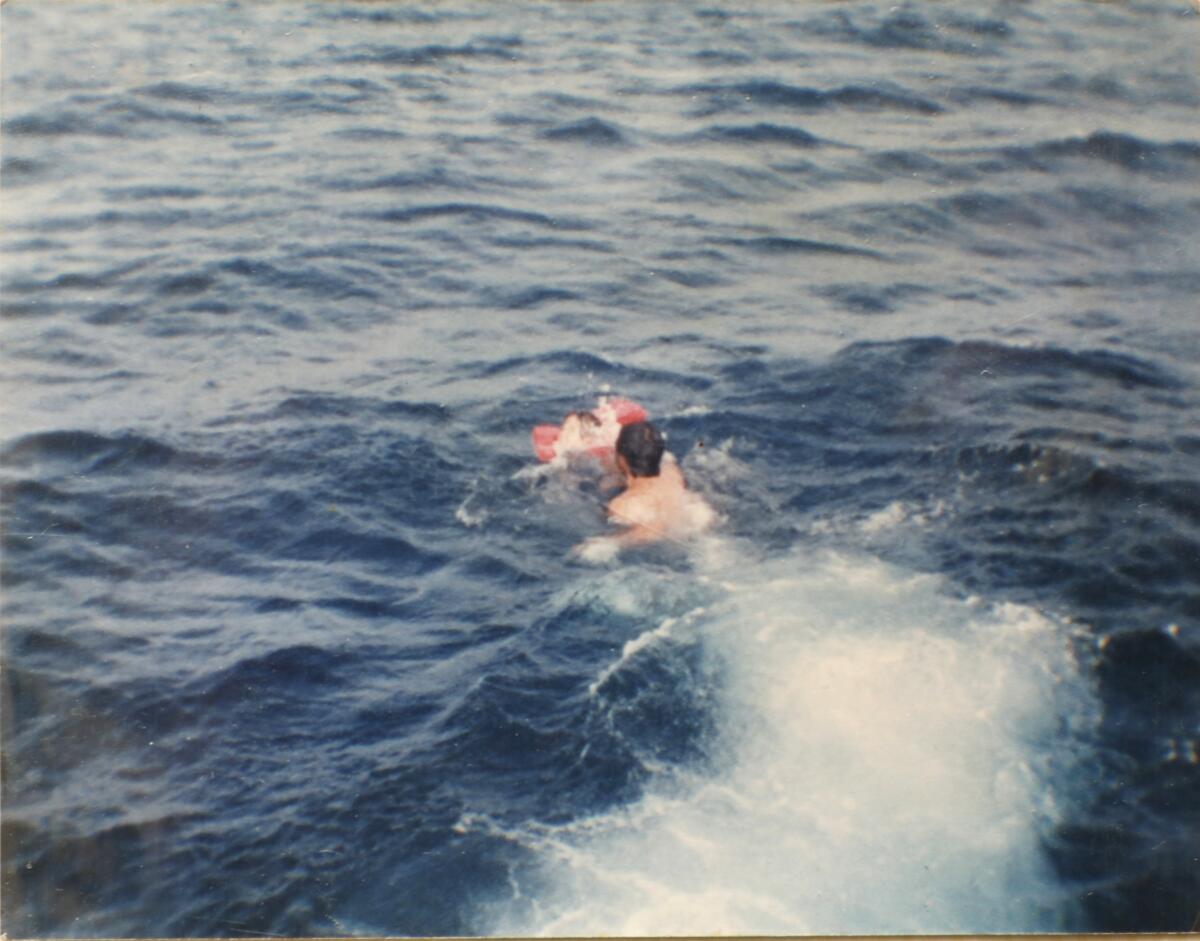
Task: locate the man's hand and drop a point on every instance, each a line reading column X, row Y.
column 601, row 549
column 598, row 550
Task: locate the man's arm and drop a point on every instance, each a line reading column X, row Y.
column 604, row 548
column 600, row 549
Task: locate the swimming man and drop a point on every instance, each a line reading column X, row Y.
column 656, row 503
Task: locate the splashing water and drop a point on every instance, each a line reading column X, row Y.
column 886, row 758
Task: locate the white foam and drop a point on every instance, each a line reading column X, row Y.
column 889, row 517
column 897, row 517
column 537, row 472
column 640, row 643
column 692, row 411
column 888, row 761
column 471, row 518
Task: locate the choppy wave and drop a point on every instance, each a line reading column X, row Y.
column 294, row 639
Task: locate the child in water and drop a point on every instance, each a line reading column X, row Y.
column 593, row 432
column 582, row 431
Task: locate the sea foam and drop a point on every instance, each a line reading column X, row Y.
column 888, row 758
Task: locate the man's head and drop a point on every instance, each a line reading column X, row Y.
column 641, row 447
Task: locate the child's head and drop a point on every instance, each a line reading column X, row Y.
column 579, row 430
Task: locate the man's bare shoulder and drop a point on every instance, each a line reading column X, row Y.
column 626, row 508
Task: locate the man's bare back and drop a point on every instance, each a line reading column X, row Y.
column 656, row 503
column 659, row 507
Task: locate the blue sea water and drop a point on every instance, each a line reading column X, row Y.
column 294, row 642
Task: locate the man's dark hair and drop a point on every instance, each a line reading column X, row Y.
column 642, row 447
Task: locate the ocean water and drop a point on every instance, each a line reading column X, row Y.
column 294, row 640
